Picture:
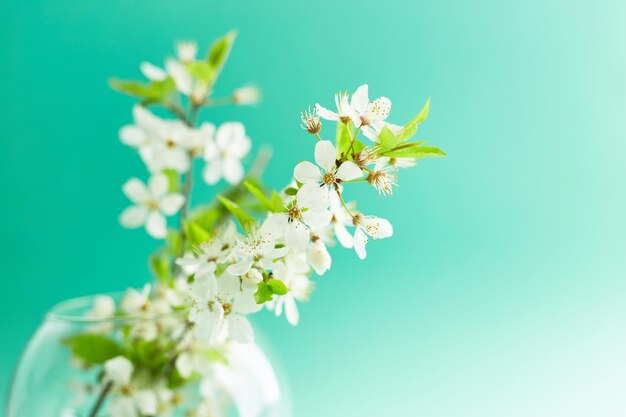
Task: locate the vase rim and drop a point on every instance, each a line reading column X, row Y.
column 75, row 310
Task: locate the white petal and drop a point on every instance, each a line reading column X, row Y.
column 275, row 225
column 324, row 113
column 144, row 118
column 307, row 172
column 122, row 406
column 325, row 155
column 360, row 99
column 156, row 226
column 171, row 203
column 343, row 236
column 152, row 72
column 240, row 268
column 318, row 257
column 228, row 133
column 211, row 151
column 135, row 190
column 313, row 197
column 240, row 329
column 297, row 235
column 232, row 170
column 212, row 172
column 360, row 240
column 133, row 216
column 348, row 171
column 158, row 185
column 291, row 311
column 118, row 370
column 146, row 401
column 186, row 50
column 317, row 219
column 370, row 133
column 182, row 78
column 183, row 365
column 132, row 135
column 376, row 227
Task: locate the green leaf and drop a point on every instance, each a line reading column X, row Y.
column 273, row 204
column 343, row 138
column 156, row 91
column 218, row 54
column 387, row 140
column 173, row 179
column 263, row 293
column 277, row 286
column 196, row 233
column 245, row 220
column 160, row 264
column 93, row 348
column 201, row 70
column 416, row 152
column 408, row 131
column 291, row 191
column 174, row 240
column 277, row 202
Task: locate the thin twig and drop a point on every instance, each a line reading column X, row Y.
column 101, row 397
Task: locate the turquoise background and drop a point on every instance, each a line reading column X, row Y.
column 503, row 290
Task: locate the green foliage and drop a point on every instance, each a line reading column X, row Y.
column 93, row 348
column 274, row 203
column 196, row 234
column 203, row 71
column 219, row 51
column 291, row 191
column 161, row 265
column 277, row 286
column 387, row 140
column 173, row 179
column 267, row 289
column 343, row 137
column 408, row 131
column 414, row 150
column 245, row 220
column 153, row 92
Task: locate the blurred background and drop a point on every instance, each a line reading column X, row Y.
column 503, row 291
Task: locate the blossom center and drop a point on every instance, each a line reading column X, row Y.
column 152, row 204
column 295, row 213
column 329, row 178
column 227, row 309
column 170, row 143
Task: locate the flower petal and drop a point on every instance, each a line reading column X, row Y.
column 156, row 226
column 152, row 72
column 135, row 190
column 360, row 240
column 212, row 172
column 343, row 236
column 318, row 256
column 232, row 170
column 360, row 99
column 133, row 216
column 132, row 135
column 240, row 268
column 158, row 185
column 307, row 172
column 240, row 329
column 297, row 235
column 324, row 113
column 291, row 311
column 325, row 155
column 317, row 219
column 376, row 227
column 171, row 203
column 348, row 171
column 182, row 78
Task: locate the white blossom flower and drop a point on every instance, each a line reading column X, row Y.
column 202, row 264
column 223, row 156
column 310, row 121
column 186, row 50
column 318, row 255
column 192, row 357
column 345, row 111
column 195, row 88
column 162, row 143
column 376, row 227
column 372, row 132
column 382, row 180
column 103, row 308
column 152, row 72
column 370, row 114
column 246, row 95
column 127, row 399
column 294, row 272
column 309, row 207
column 326, row 172
column 152, row 204
column 340, row 219
column 258, row 247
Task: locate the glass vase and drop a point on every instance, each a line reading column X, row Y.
column 51, row 382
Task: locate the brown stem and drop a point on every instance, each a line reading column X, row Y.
column 101, row 397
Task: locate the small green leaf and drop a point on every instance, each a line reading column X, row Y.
column 93, row 348
column 277, row 202
column 263, row 293
column 273, row 204
column 408, row 131
column 160, row 264
column 277, row 286
column 245, row 220
column 218, row 54
column 156, row 91
column 174, row 240
column 387, row 140
column 196, row 233
column 416, row 152
column 201, row 70
column 291, row 191
column 173, row 178
column 343, row 137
